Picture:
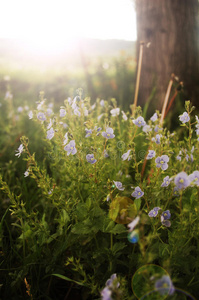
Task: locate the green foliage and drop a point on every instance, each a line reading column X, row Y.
column 64, row 226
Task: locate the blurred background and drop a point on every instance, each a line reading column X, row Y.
column 59, row 46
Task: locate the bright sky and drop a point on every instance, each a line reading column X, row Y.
column 46, row 22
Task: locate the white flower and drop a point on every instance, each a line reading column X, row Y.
column 50, row 124
column 20, row 150
column 115, row 112
column 26, row 174
column 30, row 114
column 133, row 223
column 65, row 139
column 124, row 116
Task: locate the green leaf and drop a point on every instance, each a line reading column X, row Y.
column 118, row 247
column 68, row 279
column 119, row 228
column 138, row 203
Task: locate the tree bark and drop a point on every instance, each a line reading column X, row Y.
column 171, row 28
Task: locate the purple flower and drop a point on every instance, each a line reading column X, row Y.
column 164, row 218
column 139, row 121
column 102, row 103
column 41, row 116
column 105, row 153
column 50, row 134
column 70, row 148
column 181, row 180
column 106, row 294
column 175, row 191
column 166, row 181
column 178, row 157
column 151, row 154
column 154, row 117
column 164, row 285
column 137, row 193
column 125, row 156
column 20, row 150
column 157, row 138
column 111, row 285
column 161, row 162
column 108, row 134
column 153, row 213
column 194, row 178
column 62, row 112
column 157, row 128
column 133, row 223
column 118, row 185
column 88, row 132
column 184, row 117
column 90, row 158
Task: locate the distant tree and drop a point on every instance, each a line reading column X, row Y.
column 171, row 26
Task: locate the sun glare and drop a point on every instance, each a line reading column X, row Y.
column 47, row 25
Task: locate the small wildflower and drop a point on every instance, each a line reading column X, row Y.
column 62, row 112
column 161, row 162
column 164, row 285
column 26, row 173
column 50, row 134
column 146, row 128
column 154, row 117
column 166, row 181
column 30, row 114
column 176, row 192
column 70, row 148
column 157, row 138
column 125, row 156
column 20, row 109
column 134, row 223
column 108, row 198
column 88, row 132
column 151, row 154
column 99, row 117
column 194, row 178
column 77, row 112
column 108, row 134
column 65, row 138
column 115, row 112
column 137, row 193
column 181, row 180
column 139, row 121
column 49, row 111
column 124, row 116
column 50, row 192
column 164, row 218
column 118, row 185
column 90, row 158
column 102, row 103
column 50, row 124
column 41, row 116
column 178, row 157
column 105, row 153
column 153, row 213
column 184, row 118
column 20, row 150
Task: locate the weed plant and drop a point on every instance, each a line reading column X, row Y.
column 96, row 204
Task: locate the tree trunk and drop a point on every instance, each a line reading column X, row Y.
column 171, row 28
